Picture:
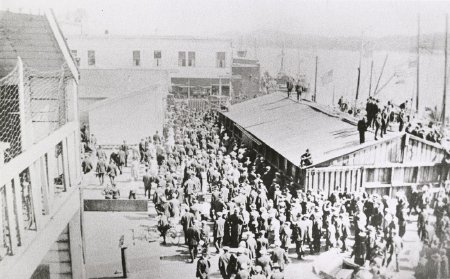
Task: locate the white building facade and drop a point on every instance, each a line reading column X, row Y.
column 197, row 66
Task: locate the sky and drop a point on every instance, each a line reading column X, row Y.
column 214, row 17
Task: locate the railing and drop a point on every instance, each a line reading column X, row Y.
column 35, row 185
column 352, row 178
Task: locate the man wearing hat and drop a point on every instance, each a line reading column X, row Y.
column 277, row 272
column 279, row 256
column 203, row 266
column 224, row 262
column 265, row 262
column 193, row 239
column 219, row 229
column 360, row 249
column 285, row 235
column 187, row 220
column 302, row 234
column 204, row 235
column 242, row 260
column 257, row 273
column 261, row 243
column 243, row 272
column 251, row 245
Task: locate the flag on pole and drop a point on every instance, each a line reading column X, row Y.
column 327, row 77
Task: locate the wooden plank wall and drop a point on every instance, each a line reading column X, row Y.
column 389, row 151
column 420, row 150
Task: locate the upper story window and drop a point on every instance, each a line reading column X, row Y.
column 75, row 57
column 182, row 59
column 91, row 57
column 136, row 58
column 191, row 59
column 157, row 55
column 220, row 60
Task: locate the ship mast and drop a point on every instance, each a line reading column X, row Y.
column 282, row 59
column 359, row 73
column 444, row 99
column 418, row 63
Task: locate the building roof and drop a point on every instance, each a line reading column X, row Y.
column 30, row 37
column 290, row 128
column 148, row 37
column 110, row 83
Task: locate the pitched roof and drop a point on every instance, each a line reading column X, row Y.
column 111, row 83
column 31, row 38
column 290, row 128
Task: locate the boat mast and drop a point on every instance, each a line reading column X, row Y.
column 359, row 73
column 282, row 60
column 315, row 80
column 444, row 99
column 370, row 82
column 418, row 62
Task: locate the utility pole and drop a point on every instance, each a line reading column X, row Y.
column 315, row 80
column 418, row 62
column 370, row 82
column 444, row 99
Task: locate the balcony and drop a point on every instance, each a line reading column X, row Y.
column 40, row 169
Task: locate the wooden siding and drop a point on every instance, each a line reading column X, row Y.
column 352, row 178
column 388, row 151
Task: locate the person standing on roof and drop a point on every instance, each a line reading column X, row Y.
column 362, row 128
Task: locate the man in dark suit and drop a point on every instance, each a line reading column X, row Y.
column 187, row 221
column 86, row 165
column 362, row 127
column 203, row 266
column 279, row 256
column 148, row 180
column 122, row 158
column 124, row 147
column 193, row 238
column 224, row 261
column 142, row 149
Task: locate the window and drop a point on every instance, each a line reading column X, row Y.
column 191, row 59
column 91, row 57
column 157, row 55
column 136, row 58
column 182, row 59
column 220, row 60
column 75, row 57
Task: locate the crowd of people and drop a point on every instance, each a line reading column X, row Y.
column 380, row 118
column 227, row 198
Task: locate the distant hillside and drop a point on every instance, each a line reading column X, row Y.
column 269, row 38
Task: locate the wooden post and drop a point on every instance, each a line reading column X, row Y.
column 11, row 219
column 36, row 193
column 67, row 179
column 24, row 130
column 45, row 186
column 19, row 209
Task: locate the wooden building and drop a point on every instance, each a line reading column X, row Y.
column 282, row 129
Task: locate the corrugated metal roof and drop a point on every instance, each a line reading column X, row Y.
column 31, row 38
column 290, row 127
column 110, row 83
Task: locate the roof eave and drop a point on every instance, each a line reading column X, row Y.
column 62, row 44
